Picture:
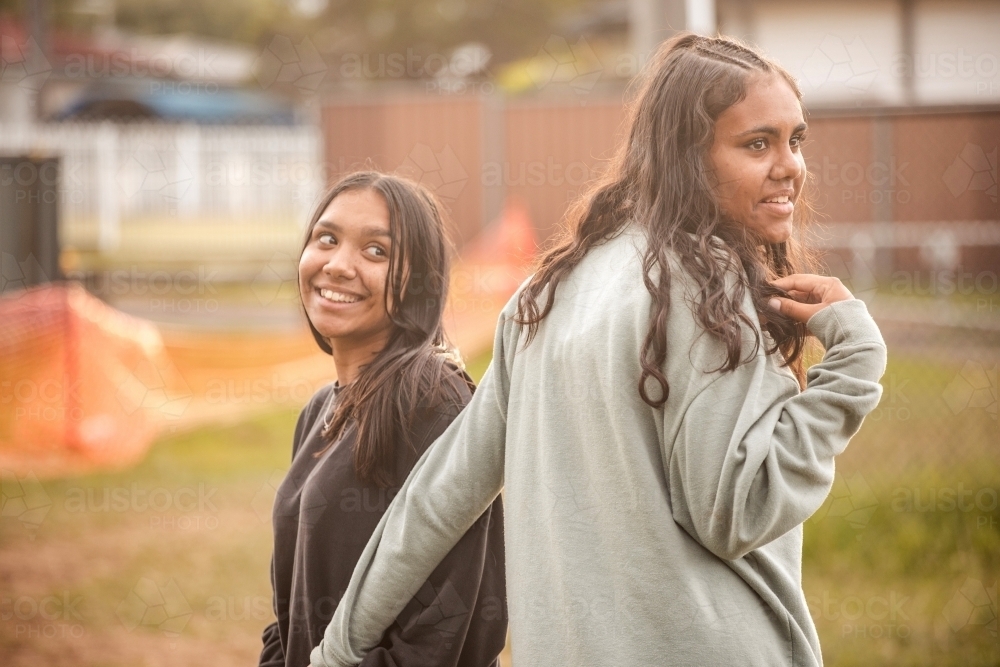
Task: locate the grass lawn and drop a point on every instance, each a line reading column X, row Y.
column 167, row 563
column 163, row 564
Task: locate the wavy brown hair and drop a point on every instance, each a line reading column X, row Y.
column 417, row 369
column 660, row 178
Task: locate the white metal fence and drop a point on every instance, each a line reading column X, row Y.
column 115, row 176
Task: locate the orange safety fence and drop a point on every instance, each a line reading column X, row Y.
column 491, row 268
column 86, row 387
column 81, row 385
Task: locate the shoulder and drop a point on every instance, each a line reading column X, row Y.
column 437, row 409
column 455, row 391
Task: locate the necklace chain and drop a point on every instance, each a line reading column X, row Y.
column 328, row 412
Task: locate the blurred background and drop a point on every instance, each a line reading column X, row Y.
column 159, row 160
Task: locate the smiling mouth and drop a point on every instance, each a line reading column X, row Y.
column 782, row 199
column 339, row 297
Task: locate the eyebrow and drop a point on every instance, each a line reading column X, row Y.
column 372, row 230
column 770, row 130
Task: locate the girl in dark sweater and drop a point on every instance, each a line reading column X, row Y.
column 373, row 276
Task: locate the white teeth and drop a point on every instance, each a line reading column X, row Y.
column 339, row 297
column 783, row 199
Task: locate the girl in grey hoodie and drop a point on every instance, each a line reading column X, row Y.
column 647, row 411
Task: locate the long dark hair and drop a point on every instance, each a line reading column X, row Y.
column 414, row 367
column 659, row 178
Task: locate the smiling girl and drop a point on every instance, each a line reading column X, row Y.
column 373, row 276
column 647, row 411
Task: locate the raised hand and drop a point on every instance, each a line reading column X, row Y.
column 809, row 294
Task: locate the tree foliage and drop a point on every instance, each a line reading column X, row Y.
column 510, row 29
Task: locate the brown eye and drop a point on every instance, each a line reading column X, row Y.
column 757, row 145
column 376, row 251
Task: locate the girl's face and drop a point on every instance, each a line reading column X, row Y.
column 757, row 159
column 343, row 268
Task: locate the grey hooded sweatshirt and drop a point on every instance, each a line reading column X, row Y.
column 634, row 535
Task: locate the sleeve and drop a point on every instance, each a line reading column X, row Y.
column 450, row 487
column 272, row 655
column 436, row 628
column 753, row 456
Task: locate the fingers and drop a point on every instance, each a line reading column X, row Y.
column 802, row 282
column 822, row 289
column 804, row 297
column 800, row 312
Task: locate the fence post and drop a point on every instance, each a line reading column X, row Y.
column 883, row 213
column 108, row 211
column 188, row 159
column 308, row 147
column 493, row 136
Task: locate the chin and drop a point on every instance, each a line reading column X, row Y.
column 778, row 233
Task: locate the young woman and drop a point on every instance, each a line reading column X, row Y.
column 373, row 275
column 646, row 410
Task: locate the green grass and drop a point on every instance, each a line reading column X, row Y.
column 195, row 514
column 891, row 578
column 914, row 514
column 875, row 549
column 477, row 365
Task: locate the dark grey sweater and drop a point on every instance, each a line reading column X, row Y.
column 323, row 516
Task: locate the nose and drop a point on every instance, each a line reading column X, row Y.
column 339, row 264
column 788, row 165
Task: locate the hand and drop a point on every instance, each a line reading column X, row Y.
column 809, row 294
